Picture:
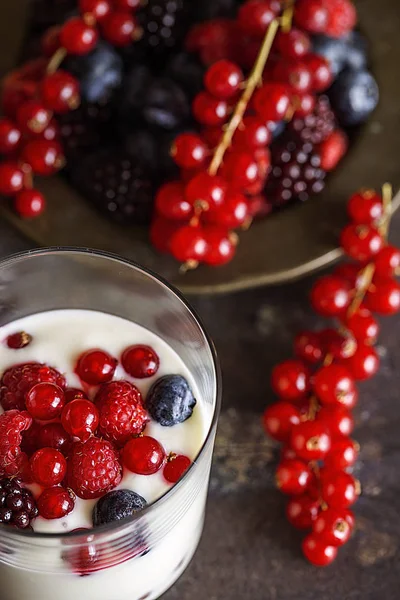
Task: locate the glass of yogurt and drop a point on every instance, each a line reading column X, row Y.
column 67, row 302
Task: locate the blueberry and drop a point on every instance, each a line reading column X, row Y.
column 354, row 95
column 170, row 400
column 117, row 505
column 357, row 51
column 333, row 49
column 166, row 105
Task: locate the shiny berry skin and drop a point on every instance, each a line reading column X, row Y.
column 365, row 207
column 337, row 344
column 343, row 454
column 52, row 132
column 361, row 242
column 80, row 418
column 272, row 101
column 279, row 418
column 290, row 380
column 330, row 295
column 364, row 363
column 293, row 44
column 121, row 411
column 33, row 117
column 338, row 489
column 60, row 92
column 16, row 381
column 143, row 455
column 310, row 440
column 232, row 214
column 332, row 526
column 99, row 9
column 189, row 151
column 120, row 28
column 223, row 79
column 188, row 244
column 48, row 467
column 255, row 16
column 308, row 347
column 221, row 245
column 304, row 104
column 338, row 420
column 175, row 467
column 383, row 296
column 350, row 272
column 29, row 203
column 295, row 73
column 301, row 511
column 53, row 435
column 74, row 394
column 44, row 157
column 55, row 503
column 209, row 110
column 18, row 340
column 362, row 325
column 293, row 476
column 387, row 262
column 317, row 551
column 311, row 15
column 241, row 169
column 10, row 136
column 96, row 366
column 77, row 37
column 253, row 133
column 206, row 188
column 334, row 384
column 45, row 401
column 140, row 361
column 349, row 517
column 171, row 202
column 342, row 18
column 11, row 178
column 321, row 72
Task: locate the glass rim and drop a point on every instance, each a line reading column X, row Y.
column 110, row 527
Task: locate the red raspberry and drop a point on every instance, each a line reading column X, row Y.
column 18, row 380
column 121, row 411
column 342, row 17
column 12, row 424
column 333, row 149
column 93, row 468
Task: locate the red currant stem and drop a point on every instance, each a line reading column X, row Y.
column 387, row 195
column 189, row 265
column 366, row 279
column 314, row 404
column 287, row 16
column 56, row 60
column 254, row 79
column 247, row 223
column 89, row 19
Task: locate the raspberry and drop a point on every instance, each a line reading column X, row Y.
column 18, row 380
column 121, row 412
column 12, row 423
column 93, row 468
column 342, row 17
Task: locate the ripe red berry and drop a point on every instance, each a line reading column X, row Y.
column 45, row 401
column 343, row 454
column 12, row 424
column 330, row 295
column 295, row 73
column 255, row 16
column 208, row 190
column 279, row 418
column 293, row 476
column 99, row 9
column 241, row 169
column 161, row 232
column 143, row 455
column 188, row 244
column 44, row 157
column 60, row 91
column 387, row 262
column 310, row 440
column 10, row 136
column 308, row 347
column 304, row 105
column 80, row 418
column 140, row 361
column 33, row 117
column 232, row 214
column 55, row 503
column 74, row 394
column 221, row 245
column 209, row 110
column 50, row 41
column 317, row 551
column 365, row 207
column 53, row 435
column 19, row 379
column 311, row 15
column 334, row 384
column 362, row 325
column 223, row 79
column 338, row 344
column 293, row 44
column 342, row 18
column 301, row 511
column 290, row 380
column 383, row 296
column 272, row 101
column 171, row 202
column 48, row 467
column 120, row 28
column 332, row 150
column 350, row 272
column 29, row 203
column 321, row 72
column 338, row 420
column 189, row 151
column 364, row 363
column 253, row 133
column 11, row 178
column 77, row 37
column 52, row 132
column 175, row 467
column 18, row 340
column 361, row 242
column 96, row 366
column 338, row 489
column 332, row 526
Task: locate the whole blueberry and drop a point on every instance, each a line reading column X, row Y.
column 117, row 505
column 166, row 104
column 333, row 49
column 356, row 57
column 170, row 400
column 354, row 95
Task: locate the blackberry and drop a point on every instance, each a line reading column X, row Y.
column 153, row 150
column 187, row 71
column 206, row 10
column 164, row 24
column 318, row 125
column 117, row 186
column 17, row 504
column 295, row 173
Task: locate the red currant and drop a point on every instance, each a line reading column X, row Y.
column 287, row 453
column 55, row 503
column 175, row 467
column 310, row 440
column 121, row 28
column 162, row 231
column 383, row 296
column 279, row 419
column 10, row 136
column 317, row 551
column 304, row 105
column 295, row 73
column 73, row 394
column 96, row 366
column 188, row 244
column 253, row 133
column 308, row 347
column 387, row 262
column 349, row 517
column 52, row 132
column 311, row 15
column 293, row 476
column 364, row 363
column 256, row 15
column 77, row 37
column 143, row 455
column 351, row 272
column 330, row 295
column 33, row 117
column 362, row 325
column 189, row 151
column 206, row 189
column 140, row 361
column 209, row 110
column 334, row 384
column 45, row 401
column 18, row 340
column 302, row 511
column 48, row 467
column 220, row 244
column 338, row 344
column 21, row 86
column 223, row 79
column 29, row 203
column 241, row 169
column 365, row 207
column 321, row 72
column 171, row 202
column 11, row 178
column 232, row 214
column 271, row 101
column 99, row 9
column 342, row 454
column 80, row 418
column 44, row 157
column 361, row 242
column 53, row 435
column 338, row 419
column 338, row 489
column 60, row 92
column 290, row 380
column 50, row 41
column 293, row 44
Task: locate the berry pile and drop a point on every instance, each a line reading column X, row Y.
column 317, row 390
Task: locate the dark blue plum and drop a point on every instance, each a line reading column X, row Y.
column 354, row 95
column 117, row 505
column 170, row 400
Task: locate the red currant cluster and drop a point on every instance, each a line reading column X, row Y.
column 312, row 418
column 225, row 166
